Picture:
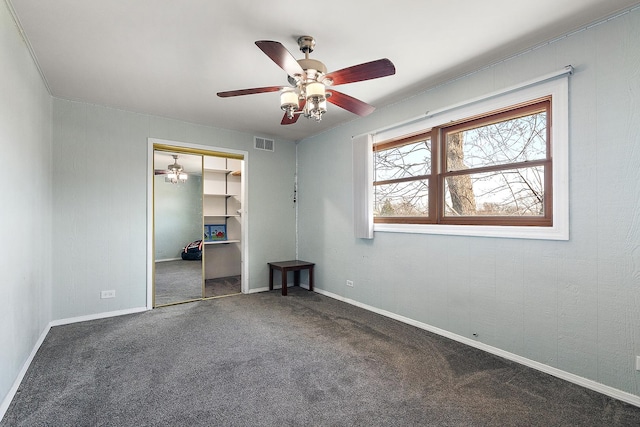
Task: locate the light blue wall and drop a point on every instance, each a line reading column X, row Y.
column 71, row 229
column 25, row 207
column 177, row 216
column 573, row 305
column 99, row 223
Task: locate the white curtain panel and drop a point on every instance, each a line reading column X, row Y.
column 363, row 186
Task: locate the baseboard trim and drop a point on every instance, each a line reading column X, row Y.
column 576, row 379
column 14, row 388
column 256, row 290
column 559, row 373
column 70, row 320
column 275, row 287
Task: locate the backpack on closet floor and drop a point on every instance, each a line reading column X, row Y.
column 193, row 251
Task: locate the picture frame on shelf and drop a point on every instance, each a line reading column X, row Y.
column 216, row 232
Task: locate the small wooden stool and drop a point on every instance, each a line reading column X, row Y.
column 286, row 266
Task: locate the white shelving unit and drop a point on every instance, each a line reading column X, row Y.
column 222, row 205
column 222, row 242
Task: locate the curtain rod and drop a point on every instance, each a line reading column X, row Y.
column 566, row 70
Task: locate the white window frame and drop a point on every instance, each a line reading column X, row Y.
column 558, row 89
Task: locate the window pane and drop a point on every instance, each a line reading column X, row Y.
column 409, row 198
column 510, row 192
column 404, row 161
column 515, row 140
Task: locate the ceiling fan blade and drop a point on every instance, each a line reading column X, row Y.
column 289, row 121
column 358, row 73
column 281, row 56
column 249, row 91
column 350, row 103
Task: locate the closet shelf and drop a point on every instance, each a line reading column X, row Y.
column 221, row 242
column 218, row 170
column 220, row 195
column 221, row 208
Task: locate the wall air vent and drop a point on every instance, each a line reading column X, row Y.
column 263, row 144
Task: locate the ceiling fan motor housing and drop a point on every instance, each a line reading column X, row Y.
column 313, row 68
column 175, row 166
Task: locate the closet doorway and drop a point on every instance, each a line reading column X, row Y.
column 197, row 198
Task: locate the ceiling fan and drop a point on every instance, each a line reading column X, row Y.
column 310, row 84
column 174, row 172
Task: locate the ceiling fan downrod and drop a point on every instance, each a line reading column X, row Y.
column 311, row 90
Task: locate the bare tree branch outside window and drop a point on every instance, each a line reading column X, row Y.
column 400, row 170
column 462, row 198
column 496, row 168
column 506, row 191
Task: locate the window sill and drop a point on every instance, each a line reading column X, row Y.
column 510, row 232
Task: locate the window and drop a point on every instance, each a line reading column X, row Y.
column 494, row 169
column 402, row 178
column 492, row 166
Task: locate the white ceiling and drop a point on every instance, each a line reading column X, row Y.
column 170, row 58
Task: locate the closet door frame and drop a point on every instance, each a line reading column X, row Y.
column 204, row 150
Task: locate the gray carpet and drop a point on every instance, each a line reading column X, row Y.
column 222, row 286
column 301, row 360
column 177, row 281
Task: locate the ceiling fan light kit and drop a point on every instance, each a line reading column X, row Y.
column 308, row 94
column 175, row 173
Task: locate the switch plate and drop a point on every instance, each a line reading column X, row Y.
column 637, row 363
column 350, row 283
column 108, row 294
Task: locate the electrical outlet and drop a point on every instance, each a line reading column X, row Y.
column 350, row 283
column 108, row 294
column 637, row 363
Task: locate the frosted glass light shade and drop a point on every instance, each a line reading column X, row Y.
column 315, row 90
column 288, row 99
